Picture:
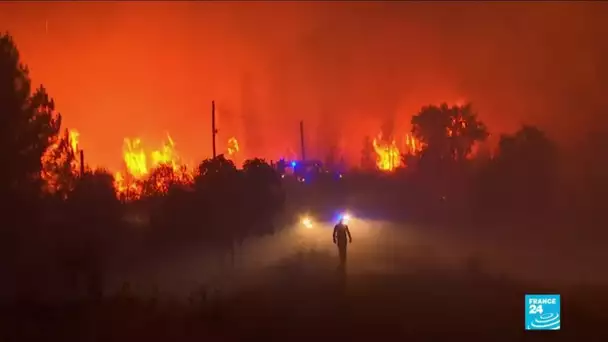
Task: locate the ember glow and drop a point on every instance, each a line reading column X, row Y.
column 455, row 129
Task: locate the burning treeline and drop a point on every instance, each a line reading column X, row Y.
column 157, row 168
column 164, row 166
column 388, row 154
column 143, row 167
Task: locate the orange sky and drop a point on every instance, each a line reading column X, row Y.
column 142, row 69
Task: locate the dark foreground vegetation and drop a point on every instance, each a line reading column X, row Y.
column 64, row 229
column 301, row 304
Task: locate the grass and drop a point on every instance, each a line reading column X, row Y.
column 303, row 299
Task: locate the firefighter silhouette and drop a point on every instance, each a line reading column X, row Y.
column 342, row 238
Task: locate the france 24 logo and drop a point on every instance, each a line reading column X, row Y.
column 543, row 312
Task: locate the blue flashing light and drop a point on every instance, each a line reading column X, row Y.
column 293, row 164
column 345, row 217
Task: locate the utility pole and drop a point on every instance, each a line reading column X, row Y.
column 302, row 140
column 81, row 163
column 213, row 129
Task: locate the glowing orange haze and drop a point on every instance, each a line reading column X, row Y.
column 120, row 69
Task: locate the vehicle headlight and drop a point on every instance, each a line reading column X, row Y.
column 307, row 222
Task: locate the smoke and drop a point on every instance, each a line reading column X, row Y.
column 251, row 125
column 123, row 69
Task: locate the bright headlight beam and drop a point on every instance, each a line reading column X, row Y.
column 307, row 222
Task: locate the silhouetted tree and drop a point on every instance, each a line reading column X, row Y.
column 448, row 133
column 264, row 192
column 410, row 160
column 218, row 192
column 215, row 172
column 529, row 145
column 281, row 166
column 94, row 197
column 522, row 174
column 28, row 125
column 169, row 197
column 180, row 214
column 95, row 214
column 261, row 172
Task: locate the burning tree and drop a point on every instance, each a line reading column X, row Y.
column 152, row 172
column 388, row 154
column 159, row 181
column 448, row 133
column 60, row 164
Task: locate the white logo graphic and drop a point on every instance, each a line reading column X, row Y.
column 548, row 321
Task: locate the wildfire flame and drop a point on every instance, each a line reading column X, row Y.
column 56, row 158
column 388, row 155
column 135, row 158
column 74, row 135
column 126, row 186
column 166, row 155
column 454, row 129
column 233, row 146
column 232, row 151
column 412, row 145
column 139, row 164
